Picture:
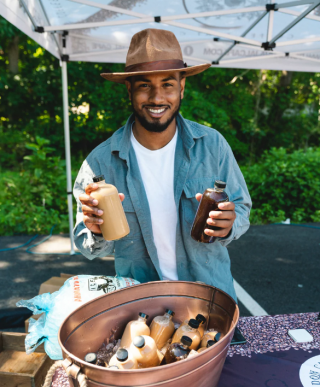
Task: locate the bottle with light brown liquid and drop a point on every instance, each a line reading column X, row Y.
column 178, row 351
column 135, row 328
column 210, row 343
column 162, row 328
column 115, row 225
column 190, row 330
column 209, row 202
column 213, row 335
column 144, row 350
column 123, row 360
column 202, row 320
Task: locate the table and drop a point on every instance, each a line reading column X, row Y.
column 270, row 358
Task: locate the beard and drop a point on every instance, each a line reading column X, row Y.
column 157, row 126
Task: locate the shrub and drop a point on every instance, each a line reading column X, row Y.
column 285, row 185
column 35, row 199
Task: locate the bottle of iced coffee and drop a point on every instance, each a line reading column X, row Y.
column 123, row 360
column 144, row 350
column 210, row 335
column 162, row 328
column 190, row 330
column 135, row 328
column 178, row 351
column 202, row 320
column 210, row 343
column 209, row 202
column 115, row 224
column 91, row 358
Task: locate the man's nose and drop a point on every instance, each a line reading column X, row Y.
column 156, row 96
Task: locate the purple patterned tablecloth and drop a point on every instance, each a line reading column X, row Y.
column 270, row 358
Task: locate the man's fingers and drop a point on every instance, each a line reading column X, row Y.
column 91, row 187
column 222, row 215
column 88, row 200
column 229, row 206
column 217, row 233
column 87, row 210
column 219, row 223
column 198, row 196
column 87, row 219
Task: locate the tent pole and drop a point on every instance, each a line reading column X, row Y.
column 67, row 148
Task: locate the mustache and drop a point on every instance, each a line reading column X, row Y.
column 156, row 106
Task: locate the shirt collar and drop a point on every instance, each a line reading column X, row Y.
column 188, row 130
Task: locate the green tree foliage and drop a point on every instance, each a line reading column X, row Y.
column 34, row 200
column 285, row 185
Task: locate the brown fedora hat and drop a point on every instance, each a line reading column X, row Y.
column 154, row 51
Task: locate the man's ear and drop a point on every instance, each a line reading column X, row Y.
column 182, row 86
column 128, row 86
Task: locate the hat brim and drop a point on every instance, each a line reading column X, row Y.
column 189, row 71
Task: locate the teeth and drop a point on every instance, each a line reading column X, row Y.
column 156, row 111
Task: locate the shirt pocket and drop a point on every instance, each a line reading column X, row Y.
column 135, row 230
column 189, row 202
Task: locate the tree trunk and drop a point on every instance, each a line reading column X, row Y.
column 13, row 55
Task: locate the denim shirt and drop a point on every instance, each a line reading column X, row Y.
column 202, row 156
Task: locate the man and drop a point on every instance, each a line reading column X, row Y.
column 161, row 163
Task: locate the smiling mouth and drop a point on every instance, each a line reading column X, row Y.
column 156, row 112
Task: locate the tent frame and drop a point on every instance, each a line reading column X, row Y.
column 140, row 18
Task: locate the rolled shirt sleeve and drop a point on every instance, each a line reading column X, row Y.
column 90, row 245
column 238, row 194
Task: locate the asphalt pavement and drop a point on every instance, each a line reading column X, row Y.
column 277, row 265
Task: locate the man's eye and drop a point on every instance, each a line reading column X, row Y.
column 167, row 84
column 143, row 85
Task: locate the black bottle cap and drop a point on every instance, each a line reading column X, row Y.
column 113, row 367
column 193, row 323
column 139, row 341
column 96, row 179
column 210, row 343
column 170, row 312
column 122, row 354
column 201, row 318
column 217, row 337
column 185, row 340
column 220, row 184
column 143, row 315
column 91, row 358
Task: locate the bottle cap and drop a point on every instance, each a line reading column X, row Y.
column 139, row 341
column 113, row 367
column 122, row 354
column 220, row 184
column 170, row 312
column 96, row 179
column 217, row 337
column 90, row 357
column 210, row 343
column 143, row 315
column 186, row 340
column 201, row 318
column 193, row 323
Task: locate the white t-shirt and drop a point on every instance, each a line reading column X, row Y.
column 157, row 172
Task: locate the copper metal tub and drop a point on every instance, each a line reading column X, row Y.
column 85, row 329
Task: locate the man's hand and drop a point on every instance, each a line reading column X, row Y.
column 91, row 214
column 223, row 219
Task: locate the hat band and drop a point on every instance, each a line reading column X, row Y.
column 171, row 64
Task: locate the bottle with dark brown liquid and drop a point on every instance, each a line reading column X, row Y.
column 178, row 351
column 209, row 202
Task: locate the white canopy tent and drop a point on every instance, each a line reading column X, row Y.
column 250, row 34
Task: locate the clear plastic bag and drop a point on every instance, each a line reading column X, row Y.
column 57, row 306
